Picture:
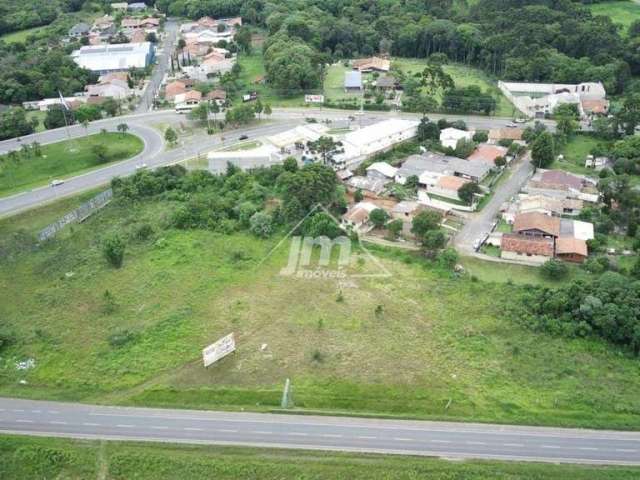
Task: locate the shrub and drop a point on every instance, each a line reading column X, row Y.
column 143, row 231
column 261, row 224
column 113, row 249
column 121, row 338
column 554, row 269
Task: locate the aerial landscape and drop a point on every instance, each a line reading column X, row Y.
column 320, row 239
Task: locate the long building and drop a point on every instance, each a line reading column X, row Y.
column 114, row 58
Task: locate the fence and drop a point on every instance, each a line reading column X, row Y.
column 78, row 215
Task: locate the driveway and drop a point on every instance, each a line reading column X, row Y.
column 480, row 223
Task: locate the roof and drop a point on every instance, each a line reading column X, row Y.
column 512, row 242
column 381, row 130
column 443, row 164
column 407, row 206
column 449, row 182
column 595, row 105
column 359, row 213
column 384, row 168
column 576, row 229
column 506, row 133
column 487, row 153
column 385, row 81
column 79, row 28
column 174, row 88
column 570, row 245
column 114, row 57
column 537, row 221
column 456, row 133
column 137, row 6
column 353, row 80
column 540, row 202
column 372, row 185
column 561, row 179
column 344, row 174
column 372, row 63
column 216, row 94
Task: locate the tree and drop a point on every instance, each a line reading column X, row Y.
column 464, row 148
column 326, row 147
column 500, row 162
column 170, row 136
column 261, row 224
column 394, row 228
column 113, row 248
column 57, row 117
column 123, row 128
column 424, row 222
column 321, row 224
column 543, row 150
column 481, row 136
column 240, row 115
column 291, row 65
column 468, row 191
column 435, row 79
column 85, row 125
column 629, row 115
column 566, row 125
column 111, row 106
column 378, row 217
column 14, row 123
column 358, row 196
column 100, row 151
column 290, row 164
column 243, row 39
column 432, row 241
column 554, row 269
column 258, row 108
column 267, row 109
column 428, row 130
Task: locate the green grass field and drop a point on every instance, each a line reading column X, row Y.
column 250, row 79
column 60, row 160
column 444, row 347
column 29, row 458
column 38, row 115
column 20, row 35
column 621, row 12
column 575, row 153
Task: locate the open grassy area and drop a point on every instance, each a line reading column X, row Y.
column 38, row 115
column 575, row 153
column 63, row 159
column 28, row 458
column 252, row 79
column 464, row 76
column 621, row 12
column 439, row 347
column 20, row 35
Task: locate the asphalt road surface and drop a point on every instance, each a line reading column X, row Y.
column 440, row 439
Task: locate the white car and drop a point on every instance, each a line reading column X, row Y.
column 141, row 166
column 55, row 183
column 476, row 244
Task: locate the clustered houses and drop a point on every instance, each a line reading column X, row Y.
column 105, row 30
column 542, row 221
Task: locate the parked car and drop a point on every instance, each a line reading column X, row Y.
column 55, row 183
column 141, row 166
column 243, row 137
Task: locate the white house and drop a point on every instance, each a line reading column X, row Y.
column 449, row 137
column 381, row 170
column 113, row 58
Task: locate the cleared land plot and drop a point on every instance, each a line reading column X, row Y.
column 21, row 35
column 22, row 457
column 62, row 159
column 442, row 346
column 623, row 13
column 252, row 79
column 575, row 153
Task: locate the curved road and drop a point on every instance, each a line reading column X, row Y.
column 440, row 439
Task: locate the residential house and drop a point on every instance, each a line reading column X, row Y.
column 429, row 167
column 571, row 249
column 353, row 81
column 537, row 224
column 487, row 153
column 449, row 137
column 406, row 210
column 218, row 95
column 369, row 187
column 79, row 30
column 344, row 175
column 190, row 98
column 447, row 186
column 381, row 171
column 525, row 248
column 177, row 87
column 119, row 6
column 137, row 6
column 112, row 88
column 508, row 133
column 591, row 107
column 372, row 64
column 357, row 217
column 576, row 229
column 387, row 82
column 597, row 163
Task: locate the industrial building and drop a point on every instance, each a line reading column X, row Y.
column 113, row 58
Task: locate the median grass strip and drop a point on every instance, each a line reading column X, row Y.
column 25, row 169
column 422, row 343
column 27, row 458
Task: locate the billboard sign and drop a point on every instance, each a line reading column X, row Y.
column 314, row 98
column 218, row 350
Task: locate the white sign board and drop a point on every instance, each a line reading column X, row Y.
column 314, row 98
column 216, row 351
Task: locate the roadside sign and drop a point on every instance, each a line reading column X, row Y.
column 218, row 350
column 314, row 98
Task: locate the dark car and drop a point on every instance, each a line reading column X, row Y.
column 243, row 137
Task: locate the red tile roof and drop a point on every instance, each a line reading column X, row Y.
column 570, row 245
column 537, row 221
column 558, row 178
column 526, row 244
column 487, row 153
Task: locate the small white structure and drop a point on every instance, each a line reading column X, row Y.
column 449, row 137
column 381, row 170
column 113, row 58
column 302, row 134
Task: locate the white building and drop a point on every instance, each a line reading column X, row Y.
column 449, row 137
column 375, row 138
column 113, row 58
column 114, row 88
column 301, row 135
column 262, row 156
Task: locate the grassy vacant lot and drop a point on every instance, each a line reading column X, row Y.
column 251, row 79
column 621, row 12
column 20, row 35
column 26, row 458
column 439, row 346
column 575, row 153
column 463, row 76
column 62, row 159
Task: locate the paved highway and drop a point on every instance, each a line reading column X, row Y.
column 440, row 439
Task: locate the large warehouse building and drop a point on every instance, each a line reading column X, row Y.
column 113, row 58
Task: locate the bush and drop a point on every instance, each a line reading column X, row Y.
column 143, row 231
column 554, row 269
column 121, row 338
column 113, row 249
column 261, row 224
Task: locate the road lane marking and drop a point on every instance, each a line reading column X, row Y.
column 36, row 411
column 400, row 439
column 550, row 446
column 87, row 424
column 24, row 421
column 262, row 432
column 475, row 443
column 122, row 425
column 300, row 434
column 331, row 435
column 193, row 429
column 366, row 437
column 159, row 427
column 587, row 448
column 513, row 444
column 226, row 430
column 57, row 422
column 440, row 441
column 627, row 450
column 17, row 410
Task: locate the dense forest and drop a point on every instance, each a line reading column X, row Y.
column 21, row 14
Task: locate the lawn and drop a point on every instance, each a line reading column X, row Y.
column 464, row 76
column 21, row 35
column 621, row 12
column 23, row 457
column 575, row 152
column 38, row 115
column 63, row 159
column 252, row 79
column 421, row 343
